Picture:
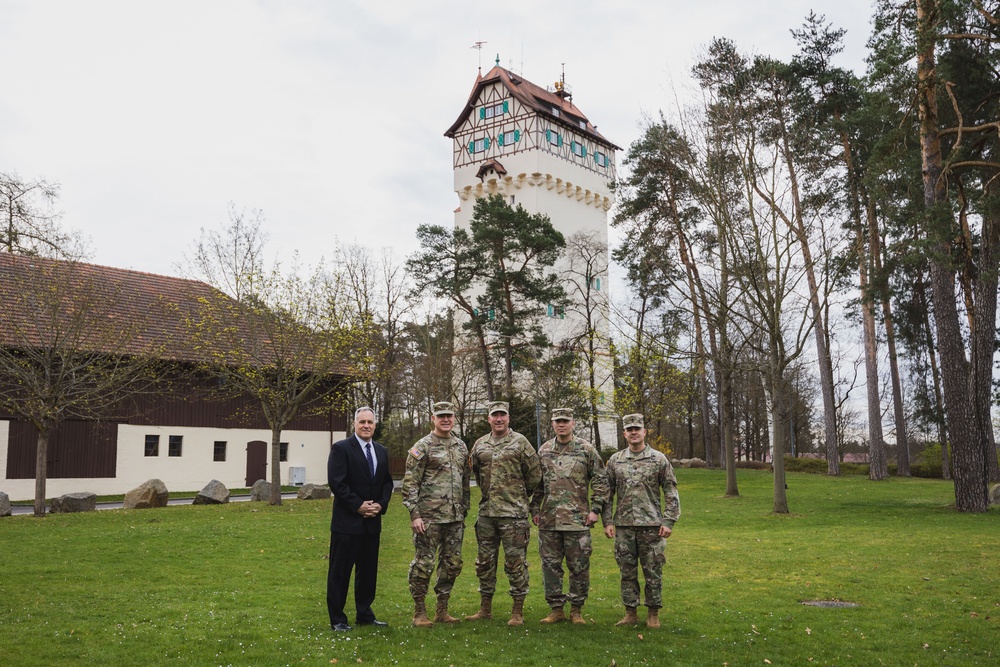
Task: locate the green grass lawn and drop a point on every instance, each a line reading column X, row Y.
column 244, row 584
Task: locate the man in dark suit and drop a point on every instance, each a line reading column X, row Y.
column 358, row 471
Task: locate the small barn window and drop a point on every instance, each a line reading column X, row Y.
column 174, row 446
column 283, row 451
column 152, row 445
column 219, row 451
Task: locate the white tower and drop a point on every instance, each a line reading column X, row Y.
column 536, row 148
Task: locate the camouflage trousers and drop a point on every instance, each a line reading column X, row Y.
column 575, row 547
column 513, row 534
column 443, row 540
column 640, row 545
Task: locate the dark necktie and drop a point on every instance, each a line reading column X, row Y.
column 371, row 461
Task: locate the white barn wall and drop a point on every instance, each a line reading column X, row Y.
column 189, row 472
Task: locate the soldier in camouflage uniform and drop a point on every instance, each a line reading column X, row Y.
column 436, row 493
column 564, row 515
column 641, row 525
column 508, row 473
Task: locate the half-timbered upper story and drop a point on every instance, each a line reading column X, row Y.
column 506, row 116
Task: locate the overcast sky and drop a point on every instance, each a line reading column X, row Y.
column 328, row 115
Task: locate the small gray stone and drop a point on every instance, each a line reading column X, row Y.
column 214, row 493
column 314, row 492
column 152, row 493
column 4, row 504
column 696, row 463
column 74, row 502
column 260, row 491
column 995, row 494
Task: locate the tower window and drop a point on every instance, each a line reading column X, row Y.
column 509, row 138
column 578, row 149
column 553, row 137
column 596, row 282
column 556, row 312
column 479, row 145
column 601, row 159
column 493, row 110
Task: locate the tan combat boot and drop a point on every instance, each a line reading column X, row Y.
column 630, row 617
column 517, row 613
column 653, row 618
column 442, row 615
column 420, row 619
column 485, row 609
column 576, row 615
column 557, row 614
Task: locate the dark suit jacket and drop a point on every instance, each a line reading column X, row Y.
column 352, row 484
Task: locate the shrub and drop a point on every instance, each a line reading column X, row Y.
column 753, row 465
column 810, row 465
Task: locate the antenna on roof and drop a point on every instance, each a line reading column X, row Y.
column 478, row 46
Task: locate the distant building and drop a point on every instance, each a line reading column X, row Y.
column 534, row 147
column 183, row 437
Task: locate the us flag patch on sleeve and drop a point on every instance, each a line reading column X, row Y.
column 416, row 453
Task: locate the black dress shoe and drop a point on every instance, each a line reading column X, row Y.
column 342, row 627
column 376, row 623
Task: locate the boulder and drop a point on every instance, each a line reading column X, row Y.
column 995, row 494
column 4, row 504
column 696, row 463
column 261, row 490
column 74, row 502
column 152, row 493
column 214, row 493
column 314, row 492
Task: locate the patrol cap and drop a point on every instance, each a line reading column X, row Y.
column 498, row 406
column 562, row 413
column 443, row 408
column 632, row 421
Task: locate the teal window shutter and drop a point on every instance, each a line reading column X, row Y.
column 482, row 113
column 493, row 314
column 560, row 140
column 584, row 149
column 500, row 139
column 517, row 136
column 548, row 135
column 472, row 146
column 486, row 143
column 505, row 106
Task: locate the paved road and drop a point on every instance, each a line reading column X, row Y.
column 29, row 509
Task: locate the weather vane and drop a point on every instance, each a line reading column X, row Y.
column 478, row 46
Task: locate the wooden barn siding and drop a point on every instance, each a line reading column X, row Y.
column 77, row 448
column 87, row 449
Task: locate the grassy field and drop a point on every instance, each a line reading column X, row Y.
column 244, row 584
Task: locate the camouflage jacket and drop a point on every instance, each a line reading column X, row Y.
column 507, row 472
column 436, row 483
column 568, row 471
column 637, row 480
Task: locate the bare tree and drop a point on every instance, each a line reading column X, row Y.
column 29, row 222
column 278, row 342
column 70, row 346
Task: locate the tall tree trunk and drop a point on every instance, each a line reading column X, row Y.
column 778, row 431
column 984, row 337
column 877, row 466
column 936, row 379
column 275, row 464
column 969, row 470
column 899, row 414
column 41, row 470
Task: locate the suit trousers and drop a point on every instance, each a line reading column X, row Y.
column 358, row 553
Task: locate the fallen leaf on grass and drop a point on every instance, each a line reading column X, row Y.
column 639, row 636
column 766, row 661
column 333, row 662
column 973, row 614
column 926, row 646
column 809, row 631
